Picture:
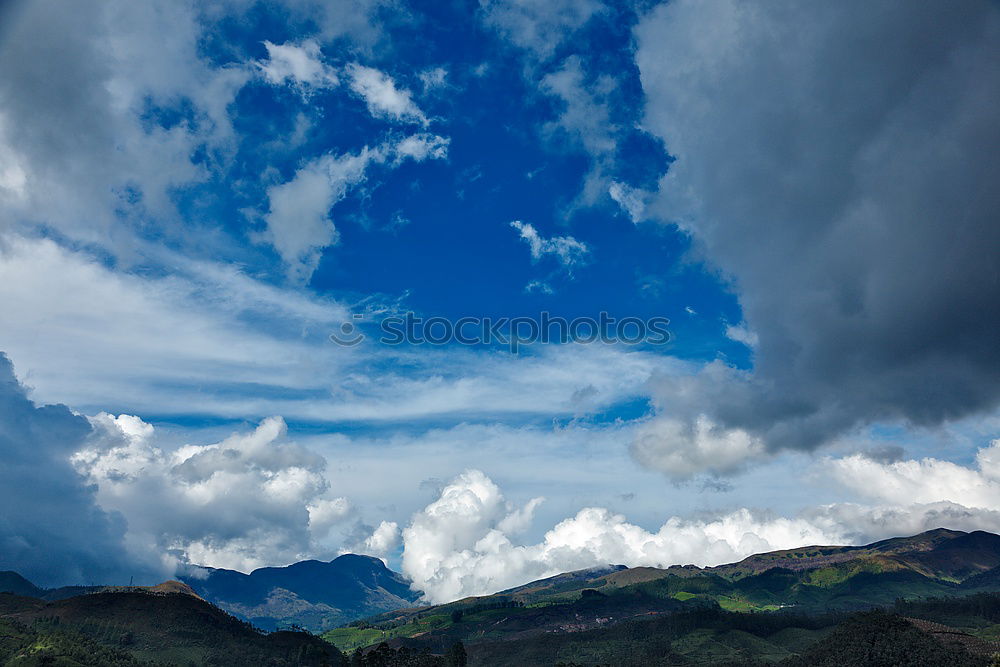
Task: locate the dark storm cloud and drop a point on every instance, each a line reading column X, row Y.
column 51, row 529
column 837, row 162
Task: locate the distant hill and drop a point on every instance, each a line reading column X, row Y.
column 311, row 594
column 165, row 628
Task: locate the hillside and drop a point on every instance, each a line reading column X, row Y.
column 311, row 594
column 809, row 583
column 174, row 628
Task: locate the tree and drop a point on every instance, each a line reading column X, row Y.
column 456, row 657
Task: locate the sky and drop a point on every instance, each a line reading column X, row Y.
column 193, row 199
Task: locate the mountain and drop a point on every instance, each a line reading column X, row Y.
column 693, row 609
column 311, row 594
column 12, row 582
column 136, row 626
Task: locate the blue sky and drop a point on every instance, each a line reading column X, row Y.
column 193, row 199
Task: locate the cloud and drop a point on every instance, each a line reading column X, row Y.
column 251, row 500
column 433, row 78
column 461, row 545
column 631, row 200
column 442, row 542
column 325, row 513
column 927, row 480
column 383, row 540
column 52, row 530
column 565, row 249
column 79, row 151
column 298, row 64
column 741, row 333
column 420, row 147
column 383, row 98
column 160, row 345
column 842, row 188
column 298, row 220
column 538, row 26
column 682, row 450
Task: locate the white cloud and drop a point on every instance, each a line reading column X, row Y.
column 180, row 345
column 298, row 222
column 146, row 336
column 383, row 97
column 383, row 540
column 420, row 147
column 79, row 153
column 927, row 480
column 433, row 78
column 538, row 25
column 567, row 250
column 460, row 545
column 585, row 120
column 631, row 200
column 250, row 500
column 741, row 333
column 325, row 513
column 297, row 64
column 539, row 286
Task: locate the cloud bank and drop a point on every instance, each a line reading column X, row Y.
column 464, row 543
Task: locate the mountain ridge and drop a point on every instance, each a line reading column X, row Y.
column 814, row 579
column 312, row 594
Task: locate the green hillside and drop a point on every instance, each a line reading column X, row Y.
column 169, row 628
column 599, row 616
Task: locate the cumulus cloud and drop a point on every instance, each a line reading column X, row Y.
column 461, row 544
column 250, row 500
column 383, row 540
column 565, row 249
column 842, row 186
column 297, row 64
column 383, row 97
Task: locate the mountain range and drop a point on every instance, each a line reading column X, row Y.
column 936, row 596
column 812, row 588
